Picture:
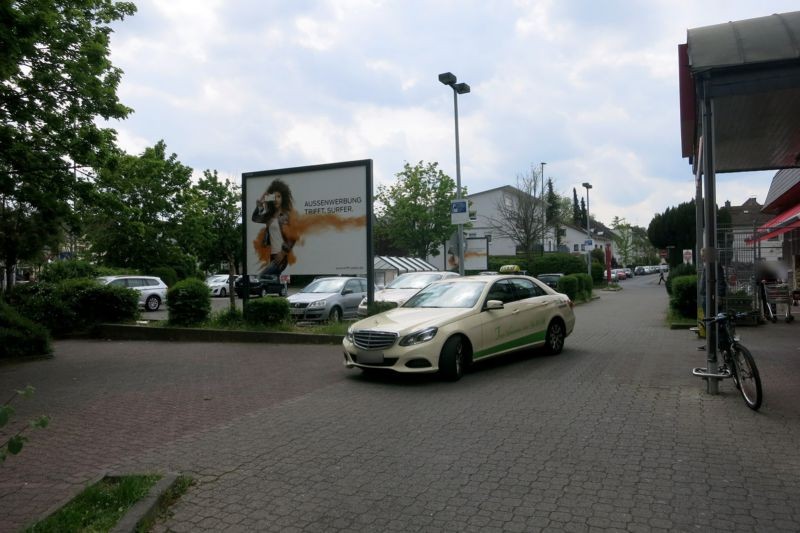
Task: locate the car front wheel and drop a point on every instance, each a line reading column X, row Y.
column 152, row 303
column 554, row 340
column 223, row 293
column 336, row 315
column 452, row 360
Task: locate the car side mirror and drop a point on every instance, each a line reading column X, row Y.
column 494, row 304
column 347, row 291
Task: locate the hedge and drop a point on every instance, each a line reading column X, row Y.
column 74, row 305
column 683, row 298
column 67, row 269
column 569, row 285
column 189, row 302
column 678, row 271
column 267, row 310
column 21, row 337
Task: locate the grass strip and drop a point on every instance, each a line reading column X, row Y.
column 98, row 507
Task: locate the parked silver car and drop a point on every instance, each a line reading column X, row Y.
column 152, row 291
column 404, row 287
column 328, row 299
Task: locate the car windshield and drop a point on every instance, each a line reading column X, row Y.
column 216, row 279
column 413, row 281
column 326, row 285
column 463, row 294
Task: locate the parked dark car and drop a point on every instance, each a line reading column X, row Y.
column 260, row 285
column 550, row 279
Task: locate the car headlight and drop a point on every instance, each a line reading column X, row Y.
column 363, row 301
column 419, row 337
column 350, row 334
column 317, row 304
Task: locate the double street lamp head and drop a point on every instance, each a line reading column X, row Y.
column 587, row 185
column 448, row 78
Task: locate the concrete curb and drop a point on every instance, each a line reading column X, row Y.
column 147, row 507
column 124, row 332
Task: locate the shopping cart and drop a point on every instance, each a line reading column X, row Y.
column 777, row 297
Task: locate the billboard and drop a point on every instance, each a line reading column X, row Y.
column 308, row 220
column 476, row 253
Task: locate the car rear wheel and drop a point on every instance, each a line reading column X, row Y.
column 152, row 303
column 336, row 315
column 452, row 360
column 554, row 340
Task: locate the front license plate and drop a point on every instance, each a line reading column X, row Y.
column 370, row 358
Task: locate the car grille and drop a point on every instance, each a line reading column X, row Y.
column 299, row 305
column 373, row 340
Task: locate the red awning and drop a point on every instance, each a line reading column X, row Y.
column 786, row 221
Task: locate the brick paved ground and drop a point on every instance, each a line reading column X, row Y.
column 614, row 434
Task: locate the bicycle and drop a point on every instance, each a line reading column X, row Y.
column 737, row 361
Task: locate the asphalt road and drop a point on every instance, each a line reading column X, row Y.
column 614, row 434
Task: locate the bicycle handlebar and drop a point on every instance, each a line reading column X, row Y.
column 721, row 317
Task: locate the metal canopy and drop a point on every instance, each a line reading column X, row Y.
column 740, row 111
column 750, row 69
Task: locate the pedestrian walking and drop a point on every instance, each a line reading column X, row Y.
column 661, row 276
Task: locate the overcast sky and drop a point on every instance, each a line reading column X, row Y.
column 589, row 87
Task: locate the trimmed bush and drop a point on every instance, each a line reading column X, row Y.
column 108, row 303
column 74, row 305
column 379, row 307
column 21, row 337
column 569, row 285
column 67, row 269
column 558, row 262
column 41, row 303
column 684, row 295
column 189, row 302
column 227, row 318
column 678, row 271
column 167, row 275
column 585, row 285
column 267, row 310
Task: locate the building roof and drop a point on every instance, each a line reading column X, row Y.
column 403, row 264
column 784, row 192
column 748, row 215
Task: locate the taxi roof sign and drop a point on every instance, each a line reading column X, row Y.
column 509, row 269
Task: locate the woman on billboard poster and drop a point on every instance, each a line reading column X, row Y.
column 274, row 209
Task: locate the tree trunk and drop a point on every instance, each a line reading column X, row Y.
column 231, row 277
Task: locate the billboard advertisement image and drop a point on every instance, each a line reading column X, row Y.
column 308, row 220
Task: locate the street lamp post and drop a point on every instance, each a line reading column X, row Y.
column 448, row 78
column 588, row 232
column 541, row 203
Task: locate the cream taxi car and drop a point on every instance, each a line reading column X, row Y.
column 453, row 322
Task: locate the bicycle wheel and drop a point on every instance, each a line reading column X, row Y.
column 747, row 376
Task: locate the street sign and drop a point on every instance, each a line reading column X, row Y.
column 687, row 257
column 458, row 212
column 588, row 242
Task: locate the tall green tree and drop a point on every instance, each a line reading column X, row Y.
column 135, row 218
column 212, row 225
column 56, row 79
column 674, row 229
column 624, row 239
column 576, row 209
column 414, row 212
